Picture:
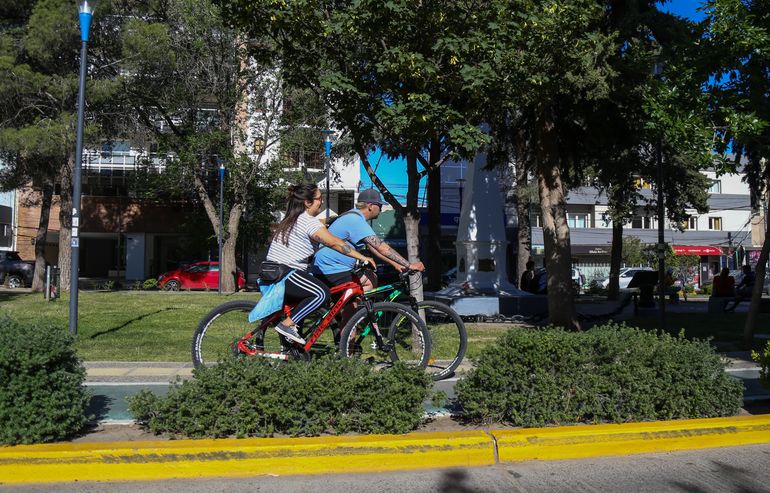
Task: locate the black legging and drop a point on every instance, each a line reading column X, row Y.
column 309, row 292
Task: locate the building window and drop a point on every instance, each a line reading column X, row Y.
column 535, row 219
column 6, row 235
column 716, row 187
column 715, row 223
column 606, row 220
column 642, row 184
column 641, row 222
column 691, row 223
column 577, row 220
column 344, row 202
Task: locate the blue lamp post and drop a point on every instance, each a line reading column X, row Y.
column 328, row 146
column 86, row 13
column 221, row 218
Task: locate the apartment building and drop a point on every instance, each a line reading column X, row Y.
column 721, row 237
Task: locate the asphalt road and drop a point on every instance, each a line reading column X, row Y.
column 731, row 469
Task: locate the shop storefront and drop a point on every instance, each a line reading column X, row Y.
column 711, row 259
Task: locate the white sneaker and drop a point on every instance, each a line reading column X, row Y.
column 289, row 333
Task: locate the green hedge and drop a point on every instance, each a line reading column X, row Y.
column 610, row 373
column 256, row 397
column 42, row 397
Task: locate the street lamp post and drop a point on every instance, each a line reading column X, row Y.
column 85, row 13
column 328, row 165
column 221, row 218
column 661, row 239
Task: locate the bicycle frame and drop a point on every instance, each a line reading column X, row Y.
column 349, row 290
column 397, row 290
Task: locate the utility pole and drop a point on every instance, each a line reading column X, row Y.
column 661, row 239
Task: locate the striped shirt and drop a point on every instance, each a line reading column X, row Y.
column 300, row 246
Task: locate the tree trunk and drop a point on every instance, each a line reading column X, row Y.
column 524, row 234
column 228, row 263
column 38, row 278
column 556, row 238
column 65, row 224
column 412, row 223
column 616, row 256
column 756, row 295
column 435, row 266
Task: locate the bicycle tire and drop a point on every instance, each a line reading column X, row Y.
column 407, row 338
column 222, row 327
column 448, row 337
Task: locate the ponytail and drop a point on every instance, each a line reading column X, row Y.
column 295, row 205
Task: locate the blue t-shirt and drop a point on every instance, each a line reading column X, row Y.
column 351, row 227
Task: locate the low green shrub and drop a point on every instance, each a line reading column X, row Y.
column 150, row 284
column 108, row 285
column 256, row 397
column 42, row 397
column 611, row 373
column 763, row 359
column 707, row 289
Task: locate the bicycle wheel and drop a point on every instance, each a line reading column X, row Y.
column 448, row 337
column 391, row 333
column 219, row 332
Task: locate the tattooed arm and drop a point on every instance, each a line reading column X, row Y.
column 324, row 237
column 388, row 254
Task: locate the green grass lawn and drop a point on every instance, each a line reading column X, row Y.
column 158, row 326
column 123, row 326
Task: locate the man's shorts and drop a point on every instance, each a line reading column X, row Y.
column 338, row 278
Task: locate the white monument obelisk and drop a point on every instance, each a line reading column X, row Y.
column 481, row 243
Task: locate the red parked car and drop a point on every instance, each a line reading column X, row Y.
column 198, row 275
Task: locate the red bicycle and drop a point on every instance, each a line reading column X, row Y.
column 379, row 332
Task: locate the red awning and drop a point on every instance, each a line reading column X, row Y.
column 697, row 250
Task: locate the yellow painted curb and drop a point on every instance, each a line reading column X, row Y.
column 573, row 442
column 126, row 461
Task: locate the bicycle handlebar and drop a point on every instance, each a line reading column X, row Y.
column 359, row 267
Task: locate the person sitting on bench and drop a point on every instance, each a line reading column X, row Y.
column 745, row 287
column 724, row 284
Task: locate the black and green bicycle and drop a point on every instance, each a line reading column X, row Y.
column 449, row 338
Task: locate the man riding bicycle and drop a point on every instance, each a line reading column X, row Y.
column 334, row 268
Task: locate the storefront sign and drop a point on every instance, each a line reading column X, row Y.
column 697, row 250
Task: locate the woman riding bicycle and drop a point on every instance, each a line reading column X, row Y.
column 293, row 245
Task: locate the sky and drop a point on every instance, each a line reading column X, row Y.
column 393, row 173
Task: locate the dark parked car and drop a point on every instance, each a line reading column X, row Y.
column 15, row 272
column 198, row 275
